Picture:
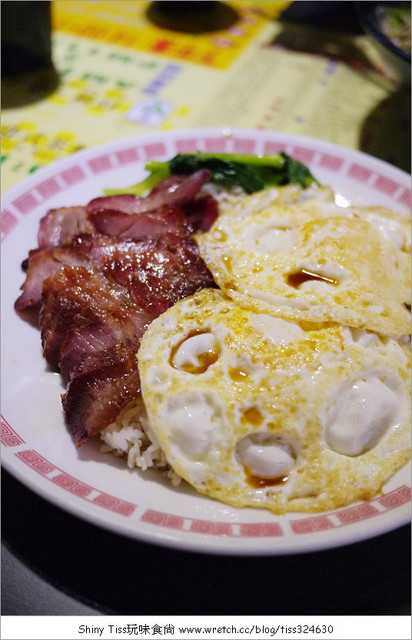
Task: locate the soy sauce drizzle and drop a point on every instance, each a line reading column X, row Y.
column 298, row 278
column 205, row 359
column 261, row 483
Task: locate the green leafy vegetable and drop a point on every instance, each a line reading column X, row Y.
column 251, row 172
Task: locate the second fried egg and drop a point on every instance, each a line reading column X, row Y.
column 266, row 412
column 312, row 260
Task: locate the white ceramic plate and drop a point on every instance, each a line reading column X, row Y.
column 38, row 450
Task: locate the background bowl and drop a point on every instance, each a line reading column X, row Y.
column 371, row 15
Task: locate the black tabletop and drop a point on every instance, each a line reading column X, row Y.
column 56, row 564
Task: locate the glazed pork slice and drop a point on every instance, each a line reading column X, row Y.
column 92, row 318
column 90, row 330
column 140, row 226
column 99, row 276
column 131, row 281
column 59, row 226
column 41, row 264
column 85, row 312
column 101, row 251
column 95, row 396
column 175, row 190
column 197, row 216
column 88, row 250
column 158, row 273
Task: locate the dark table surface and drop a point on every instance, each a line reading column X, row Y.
column 56, row 564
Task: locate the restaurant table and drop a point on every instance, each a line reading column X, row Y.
column 116, row 73
column 55, row 564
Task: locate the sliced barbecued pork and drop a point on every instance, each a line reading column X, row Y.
column 91, row 330
column 140, row 226
column 83, row 311
column 131, row 281
column 196, row 216
column 41, row 264
column 92, row 318
column 101, row 274
column 156, row 272
column 175, row 190
column 149, row 268
column 168, row 270
column 59, row 226
column 94, row 398
column 90, row 250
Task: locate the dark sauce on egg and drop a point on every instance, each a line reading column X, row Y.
column 262, row 483
column 298, row 278
column 205, row 359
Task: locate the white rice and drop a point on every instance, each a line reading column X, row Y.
column 129, row 437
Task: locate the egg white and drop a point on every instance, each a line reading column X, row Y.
column 298, row 255
column 259, row 411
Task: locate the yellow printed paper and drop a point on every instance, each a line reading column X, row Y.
column 109, row 91
column 126, row 24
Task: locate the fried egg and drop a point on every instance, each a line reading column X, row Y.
column 262, row 411
column 299, row 255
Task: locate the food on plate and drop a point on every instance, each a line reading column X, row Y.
column 255, row 410
column 233, row 326
column 102, row 272
column 249, row 172
column 100, row 275
column 268, row 406
column 314, row 261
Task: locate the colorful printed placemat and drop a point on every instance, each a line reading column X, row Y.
column 254, row 79
column 127, row 24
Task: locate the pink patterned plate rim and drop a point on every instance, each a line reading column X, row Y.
column 97, row 487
